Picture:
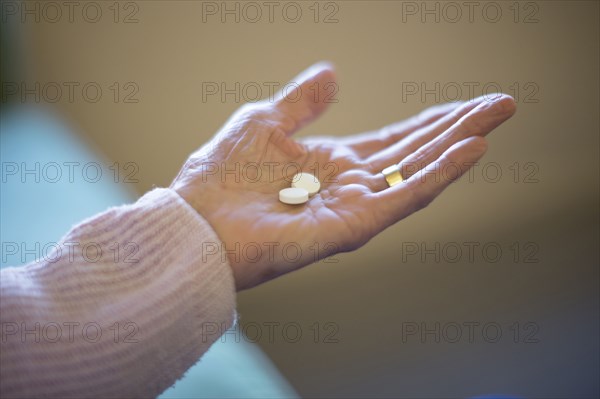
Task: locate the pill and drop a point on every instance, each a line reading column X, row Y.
column 293, row 195
column 306, row 181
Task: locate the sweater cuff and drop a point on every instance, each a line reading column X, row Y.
column 159, row 278
column 193, row 289
column 196, row 284
column 204, row 260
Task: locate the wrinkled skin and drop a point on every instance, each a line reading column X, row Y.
column 267, row 238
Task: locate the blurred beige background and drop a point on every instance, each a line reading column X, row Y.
column 378, row 48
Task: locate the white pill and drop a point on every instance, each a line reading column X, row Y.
column 293, row 196
column 306, row 181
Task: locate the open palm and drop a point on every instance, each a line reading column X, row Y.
column 234, row 180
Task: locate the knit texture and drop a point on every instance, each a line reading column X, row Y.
column 121, row 307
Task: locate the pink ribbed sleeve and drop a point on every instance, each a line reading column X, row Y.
column 121, row 307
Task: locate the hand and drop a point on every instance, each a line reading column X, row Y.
column 234, row 180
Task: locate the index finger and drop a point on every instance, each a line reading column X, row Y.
column 368, row 143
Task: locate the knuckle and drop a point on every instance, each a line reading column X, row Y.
column 423, row 201
column 251, row 111
column 473, row 123
column 417, row 200
column 252, row 117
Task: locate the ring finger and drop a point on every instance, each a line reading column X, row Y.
column 478, row 122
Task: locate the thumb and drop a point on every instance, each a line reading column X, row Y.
column 305, row 97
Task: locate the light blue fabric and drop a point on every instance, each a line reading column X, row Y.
column 232, row 369
column 40, row 212
column 34, row 214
